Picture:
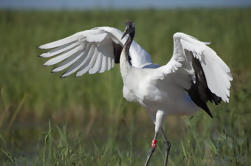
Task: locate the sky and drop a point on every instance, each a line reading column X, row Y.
column 118, row 4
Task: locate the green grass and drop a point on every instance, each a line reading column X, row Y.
column 46, row 120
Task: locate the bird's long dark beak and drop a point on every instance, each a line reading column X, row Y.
column 123, row 35
column 125, row 32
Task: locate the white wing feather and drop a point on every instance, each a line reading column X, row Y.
column 90, row 51
column 217, row 73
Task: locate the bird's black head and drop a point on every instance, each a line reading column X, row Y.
column 129, row 29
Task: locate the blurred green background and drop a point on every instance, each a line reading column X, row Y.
column 47, row 120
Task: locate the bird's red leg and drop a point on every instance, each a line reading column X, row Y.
column 158, row 123
column 154, row 143
column 150, row 153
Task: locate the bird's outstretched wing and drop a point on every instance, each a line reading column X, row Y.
column 93, row 51
column 199, row 70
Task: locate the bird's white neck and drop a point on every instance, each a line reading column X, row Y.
column 125, row 66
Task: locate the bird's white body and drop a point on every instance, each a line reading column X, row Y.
column 167, row 94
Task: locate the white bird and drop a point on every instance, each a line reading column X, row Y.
column 193, row 76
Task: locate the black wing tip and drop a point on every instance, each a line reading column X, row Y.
column 210, row 114
column 217, row 100
column 206, row 109
column 117, row 48
column 199, row 91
